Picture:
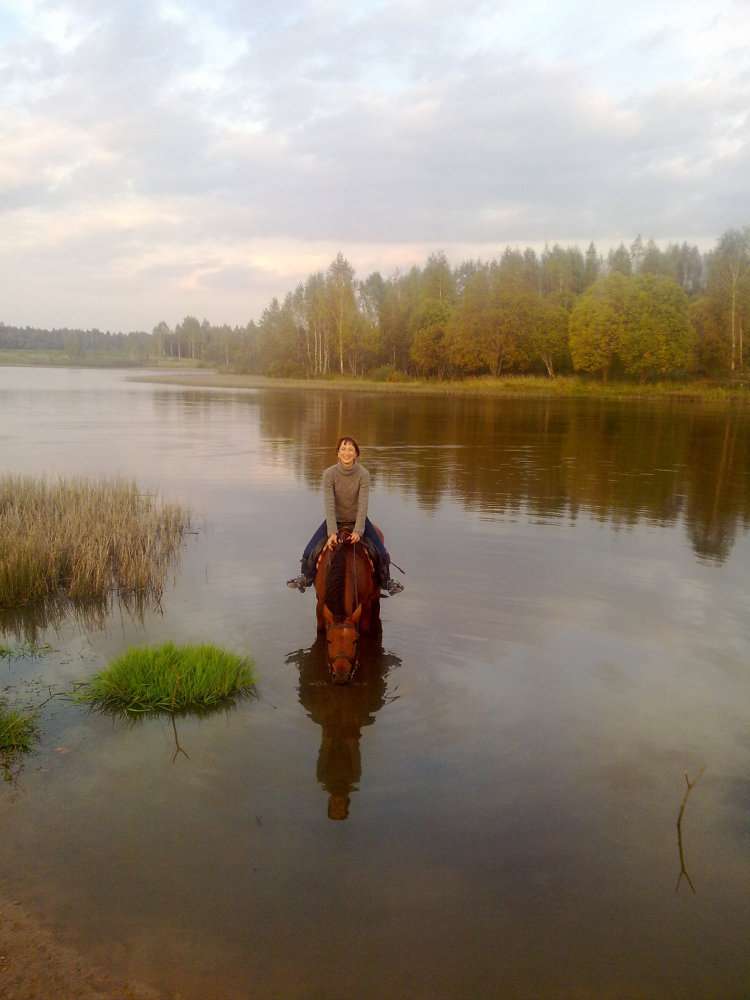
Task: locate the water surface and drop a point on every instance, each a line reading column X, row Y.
column 510, row 760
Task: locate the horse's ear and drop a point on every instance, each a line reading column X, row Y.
column 356, row 614
column 327, row 616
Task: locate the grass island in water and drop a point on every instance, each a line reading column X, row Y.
column 170, row 679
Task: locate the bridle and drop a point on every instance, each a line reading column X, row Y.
column 342, row 656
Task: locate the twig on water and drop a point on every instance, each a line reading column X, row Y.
column 683, row 870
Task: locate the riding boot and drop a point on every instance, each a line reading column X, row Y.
column 305, row 578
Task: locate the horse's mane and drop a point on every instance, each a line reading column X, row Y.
column 336, row 583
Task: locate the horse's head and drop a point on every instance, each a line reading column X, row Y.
column 342, row 637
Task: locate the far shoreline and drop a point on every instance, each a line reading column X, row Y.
column 511, row 386
column 187, row 374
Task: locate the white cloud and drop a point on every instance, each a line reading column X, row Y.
column 175, row 157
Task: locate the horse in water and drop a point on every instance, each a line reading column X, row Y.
column 348, row 602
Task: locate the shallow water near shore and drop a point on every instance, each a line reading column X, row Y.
column 507, row 767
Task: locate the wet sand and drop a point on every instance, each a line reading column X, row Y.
column 34, row 966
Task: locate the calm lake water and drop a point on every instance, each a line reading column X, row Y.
column 574, row 636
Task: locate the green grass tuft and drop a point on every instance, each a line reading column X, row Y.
column 170, row 679
column 17, row 733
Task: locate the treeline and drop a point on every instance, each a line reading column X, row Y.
column 641, row 312
column 78, row 344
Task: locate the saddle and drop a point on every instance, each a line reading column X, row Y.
column 344, row 530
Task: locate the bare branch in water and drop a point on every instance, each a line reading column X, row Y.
column 683, row 870
column 179, row 749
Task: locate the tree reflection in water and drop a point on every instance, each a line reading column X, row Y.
column 341, row 711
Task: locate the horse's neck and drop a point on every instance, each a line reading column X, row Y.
column 351, row 578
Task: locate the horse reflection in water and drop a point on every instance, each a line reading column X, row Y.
column 342, row 712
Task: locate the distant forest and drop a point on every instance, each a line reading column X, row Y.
column 641, row 313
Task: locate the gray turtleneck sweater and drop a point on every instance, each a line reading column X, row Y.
column 346, row 493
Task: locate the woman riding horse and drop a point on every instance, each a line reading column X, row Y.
column 346, row 494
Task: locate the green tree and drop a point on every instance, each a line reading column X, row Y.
column 711, row 344
column 562, row 275
column 188, row 335
column 596, row 325
column 506, row 340
column 438, row 281
column 74, row 344
column 657, row 338
column 160, row 335
column 471, row 322
column 246, row 355
column 550, row 336
column 371, row 300
column 652, row 260
column 729, row 280
column 313, row 316
column 429, row 329
column 687, row 267
column 279, row 351
column 592, row 267
column 400, row 303
column 342, row 305
column 619, row 260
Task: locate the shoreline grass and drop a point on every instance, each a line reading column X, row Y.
column 511, row 386
column 83, row 539
column 169, row 679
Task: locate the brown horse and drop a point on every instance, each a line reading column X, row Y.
column 348, row 602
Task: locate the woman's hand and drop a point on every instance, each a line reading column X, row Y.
column 331, row 543
column 354, row 538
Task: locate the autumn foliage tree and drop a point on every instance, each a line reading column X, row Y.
column 656, row 337
column 597, row 325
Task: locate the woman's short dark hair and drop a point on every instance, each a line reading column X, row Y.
column 351, row 440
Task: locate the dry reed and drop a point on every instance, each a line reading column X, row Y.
column 84, row 539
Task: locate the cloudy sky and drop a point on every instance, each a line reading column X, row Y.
column 170, row 157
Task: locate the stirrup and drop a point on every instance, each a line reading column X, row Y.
column 394, row 587
column 299, row 583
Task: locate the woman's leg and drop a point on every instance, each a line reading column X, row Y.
column 322, row 532
column 372, row 536
column 392, row 586
column 307, row 575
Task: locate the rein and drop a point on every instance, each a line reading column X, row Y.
column 341, row 626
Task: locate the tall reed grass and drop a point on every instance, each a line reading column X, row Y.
column 169, row 679
column 83, row 538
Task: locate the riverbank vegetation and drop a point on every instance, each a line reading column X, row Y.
column 518, row 386
column 83, row 539
column 170, row 679
column 643, row 314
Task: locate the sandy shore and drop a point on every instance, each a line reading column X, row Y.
column 34, row 966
